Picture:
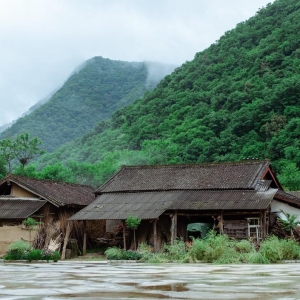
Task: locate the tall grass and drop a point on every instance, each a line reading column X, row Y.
column 220, row 249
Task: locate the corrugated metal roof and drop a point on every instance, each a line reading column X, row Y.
column 19, row 208
column 58, row 193
column 238, row 175
column 263, row 185
column 223, row 200
column 288, row 197
column 150, row 205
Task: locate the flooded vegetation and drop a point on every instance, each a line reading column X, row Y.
column 101, row 280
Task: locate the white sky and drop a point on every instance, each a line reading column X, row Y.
column 42, row 41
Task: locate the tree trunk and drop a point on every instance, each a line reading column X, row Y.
column 68, row 231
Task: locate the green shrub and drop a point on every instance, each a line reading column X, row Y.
column 113, row 253
column 17, row 251
column 34, row 254
column 55, row 256
column 245, row 246
column 130, row 255
column 20, row 250
column 272, row 249
column 217, row 245
column 255, row 258
column 19, row 245
column 196, row 251
column 276, row 250
column 229, row 256
column 290, row 249
column 177, row 251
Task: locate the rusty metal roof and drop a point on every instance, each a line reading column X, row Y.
column 150, row 205
column 238, row 175
column 56, row 192
column 19, row 208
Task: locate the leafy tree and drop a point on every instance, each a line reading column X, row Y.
column 30, row 223
column 289, row 177
column 290, row 223
column 7, row 153
column 26, row 149
column 238, row 98
column 21, row 148
column 2, row 169
column 133, row 222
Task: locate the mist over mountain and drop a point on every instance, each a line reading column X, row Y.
column 92, row 93
column 237, row 99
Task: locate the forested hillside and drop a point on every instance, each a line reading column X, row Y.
column 98, row 88
column 237, row 99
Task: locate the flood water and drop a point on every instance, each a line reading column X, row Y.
column 101, row 280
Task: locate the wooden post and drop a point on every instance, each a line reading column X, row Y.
column 175, row 225
column 172, row 229
column 155, row 235
column 261, row 225
column 222, row 222
column 265, row 225
column 84, row 238
column 66, row 239
column 124, row 235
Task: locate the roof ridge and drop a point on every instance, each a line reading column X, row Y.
column 196, row 165
column 45, row 180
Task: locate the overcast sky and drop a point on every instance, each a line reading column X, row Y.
column 42, row 41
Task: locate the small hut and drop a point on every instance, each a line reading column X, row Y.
column 49, row 202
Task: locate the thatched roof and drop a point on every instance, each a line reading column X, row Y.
column 222, row 176
column 56, row 192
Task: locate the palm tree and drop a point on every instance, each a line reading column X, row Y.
column 290, row 223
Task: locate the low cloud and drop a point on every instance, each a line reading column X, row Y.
column 43, row 41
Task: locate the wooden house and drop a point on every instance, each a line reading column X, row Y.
column 234, row 197
column 46, row 201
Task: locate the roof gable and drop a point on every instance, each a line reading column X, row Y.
column 237, row 175
column 57, row 193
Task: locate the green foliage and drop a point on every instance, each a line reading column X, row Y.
column 115, row 253
column 255, row 258
column 175, row 252
column 276, row 250
column 244, row 246
column 290, row 223
column 132, row 222
column 30, row 223
column 21, row 250
column 3, row 170
column 19, row 245
column 17, row 250
column 237, row 99
column 93, row 92
column 22, row 148
column 289, row 177
column 34, row 254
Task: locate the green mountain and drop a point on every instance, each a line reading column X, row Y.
column 237, row 99
column 92, row 93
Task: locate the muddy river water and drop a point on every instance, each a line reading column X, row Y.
column 101, row 280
